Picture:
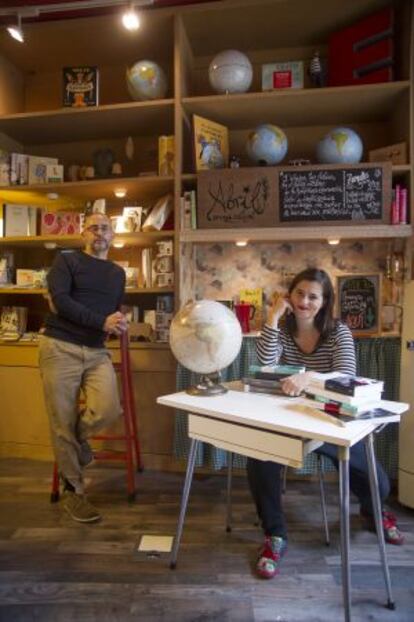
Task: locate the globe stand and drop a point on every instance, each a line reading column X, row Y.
column 208, row 386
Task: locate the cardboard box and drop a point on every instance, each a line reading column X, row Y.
column 60, row 223
column 287, row 75
column 397, row 154
column 20, row 220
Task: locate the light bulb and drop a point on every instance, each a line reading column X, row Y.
column 118, row 245
column 130, row 20
column 333, row 241
column 16, row 32
column 241, row 242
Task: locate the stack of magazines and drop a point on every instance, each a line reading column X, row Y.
column 266, row 379
column 342, row 394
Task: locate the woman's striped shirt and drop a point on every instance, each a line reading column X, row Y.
column 336, row 353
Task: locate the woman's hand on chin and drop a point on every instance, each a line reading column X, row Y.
column 296, row 384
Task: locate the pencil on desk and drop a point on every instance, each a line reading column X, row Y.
column 323, row 416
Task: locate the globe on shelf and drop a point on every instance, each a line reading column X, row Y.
column 267, row 145
column 146, row 80
column 230, row 72
column 342, row 145
column 205, row 337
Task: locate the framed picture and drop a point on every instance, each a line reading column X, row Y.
column 359, row 302
column 211, row 144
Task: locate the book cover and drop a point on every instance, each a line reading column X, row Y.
column 80, row 86
column 337, row 407
column 275, row 372
column 354, row 385
column 254, row 297
column 38, row 169
column 282, row 75
column 165, row 156
column 211, row 144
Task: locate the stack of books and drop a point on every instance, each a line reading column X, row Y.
column 342, row 394
column 266, row 379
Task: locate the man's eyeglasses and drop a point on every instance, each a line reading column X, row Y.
column 97, row 228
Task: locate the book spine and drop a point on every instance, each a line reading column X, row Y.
column 403, row 206
column 193, row 202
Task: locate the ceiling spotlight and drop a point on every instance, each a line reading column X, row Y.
column 130, row 19
column 241, row 242
column 16, row 31
column 120, row 193
column 333, row 241
column 118, row 245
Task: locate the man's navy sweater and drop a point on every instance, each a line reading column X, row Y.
column 84, row 290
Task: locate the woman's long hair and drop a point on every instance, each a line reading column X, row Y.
column 324, row 319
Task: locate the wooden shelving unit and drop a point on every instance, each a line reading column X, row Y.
column 350, row 104
column 75, row 241
column 24, row 291
column 283, row 234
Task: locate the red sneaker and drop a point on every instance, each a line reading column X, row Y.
column 392, row 534
column 270, row 554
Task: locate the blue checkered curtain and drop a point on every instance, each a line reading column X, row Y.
column 376, row 358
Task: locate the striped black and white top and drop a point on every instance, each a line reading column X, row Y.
column 336, row 353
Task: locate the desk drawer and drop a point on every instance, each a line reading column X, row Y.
column 260, row 444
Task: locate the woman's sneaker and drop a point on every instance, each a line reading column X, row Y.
column 270, row 555
column 392, row 534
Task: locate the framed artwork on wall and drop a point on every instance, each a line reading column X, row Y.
column 359, row 302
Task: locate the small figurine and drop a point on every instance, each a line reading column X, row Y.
column 315, row 70
column 234, row 162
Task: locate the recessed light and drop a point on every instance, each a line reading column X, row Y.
column 118, row 245
column 130, row 19
column 242, row 242
column 120, row 193
column 333, row 241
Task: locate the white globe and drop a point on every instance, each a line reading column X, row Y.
column 205, row 336
column 230, row 72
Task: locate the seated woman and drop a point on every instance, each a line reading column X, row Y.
column 313, row 338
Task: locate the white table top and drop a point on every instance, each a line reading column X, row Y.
column 279, row 414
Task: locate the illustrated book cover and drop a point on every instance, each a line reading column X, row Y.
column 80, row 86
column 211, row 144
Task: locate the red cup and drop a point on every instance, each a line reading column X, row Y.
column 245, row 313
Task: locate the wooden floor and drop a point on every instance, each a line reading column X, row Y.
column 52, row 569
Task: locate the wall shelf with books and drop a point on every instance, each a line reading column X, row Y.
column 136, row 188
column 142, row 239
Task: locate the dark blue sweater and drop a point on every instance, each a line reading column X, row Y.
column 84, row 291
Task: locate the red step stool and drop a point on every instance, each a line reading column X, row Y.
column 132, row 454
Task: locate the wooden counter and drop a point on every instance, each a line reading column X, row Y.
column 24, row 430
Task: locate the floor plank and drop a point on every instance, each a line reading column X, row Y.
column 53, row 569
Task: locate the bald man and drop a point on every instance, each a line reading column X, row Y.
column 85, row 292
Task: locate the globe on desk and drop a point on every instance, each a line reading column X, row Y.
column 205, row 337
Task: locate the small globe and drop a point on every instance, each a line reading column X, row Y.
column 342, row 145
column 267, row 145
column 230, row 72
column 146, row 80
column 205, row 337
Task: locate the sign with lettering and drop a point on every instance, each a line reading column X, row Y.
column 335, row 194
column 239, row 198
column 358, row 301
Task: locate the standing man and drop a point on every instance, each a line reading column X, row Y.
column 85, row 294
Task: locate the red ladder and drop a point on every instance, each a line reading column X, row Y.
column 132, row 454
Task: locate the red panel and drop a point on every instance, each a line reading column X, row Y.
column 363, row 53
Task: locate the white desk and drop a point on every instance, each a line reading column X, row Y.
column 282, row 430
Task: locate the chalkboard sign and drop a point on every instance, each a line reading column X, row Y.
column 237, row 198
column 359, row 300
column 335, row 194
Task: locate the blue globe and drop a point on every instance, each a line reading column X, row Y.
column 342, row 145
column 146, row 80
column 267, row 145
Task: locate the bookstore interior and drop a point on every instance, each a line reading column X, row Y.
column 229, row 150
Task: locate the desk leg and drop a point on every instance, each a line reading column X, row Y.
column 184, row 500
column 376, row 505
column 343, row 455
column 229, row 483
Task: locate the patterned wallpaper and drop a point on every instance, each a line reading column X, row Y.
column 222, row 270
